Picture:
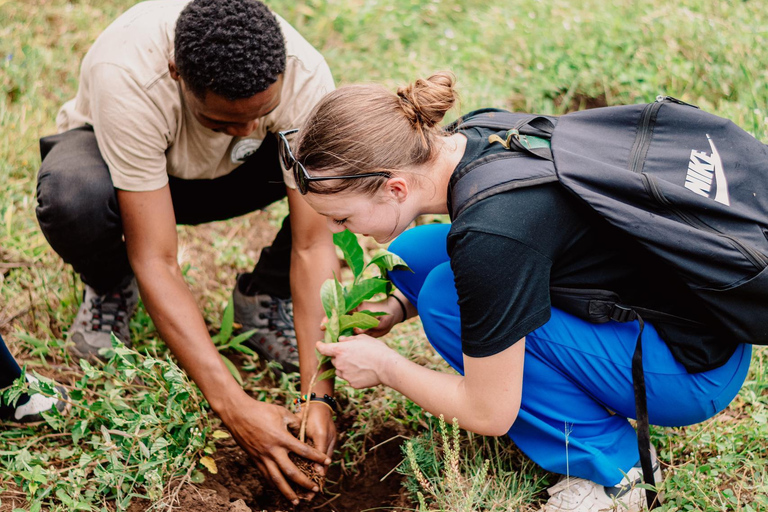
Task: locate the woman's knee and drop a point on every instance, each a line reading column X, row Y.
column 439, row 313
column 422, row 248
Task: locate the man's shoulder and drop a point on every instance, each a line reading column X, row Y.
column 139, row 42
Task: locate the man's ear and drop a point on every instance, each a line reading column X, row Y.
column 397, row 188
column 173, row 71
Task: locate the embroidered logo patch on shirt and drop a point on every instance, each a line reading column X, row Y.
column 243, row 149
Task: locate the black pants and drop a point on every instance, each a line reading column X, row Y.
column 79, row 214
column 9, row 371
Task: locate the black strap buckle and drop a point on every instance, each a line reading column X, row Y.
column 623, row 314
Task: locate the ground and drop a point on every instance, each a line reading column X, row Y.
column 371, row 482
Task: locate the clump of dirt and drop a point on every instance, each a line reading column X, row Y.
column 239, row 487
column 308, row 468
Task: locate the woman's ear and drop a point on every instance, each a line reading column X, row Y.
column 397, row 189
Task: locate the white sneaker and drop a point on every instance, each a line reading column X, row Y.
column 572, row 494
column 32, row 411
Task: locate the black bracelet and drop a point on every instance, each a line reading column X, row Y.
column 402, row 307
column 326, row 399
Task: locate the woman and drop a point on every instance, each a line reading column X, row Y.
column 372, row 161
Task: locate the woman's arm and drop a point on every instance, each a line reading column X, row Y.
column 485, row 400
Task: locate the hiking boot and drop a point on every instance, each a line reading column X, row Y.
column 272, row 319
column 31, row 411
column 571, row 494
column 101, row 315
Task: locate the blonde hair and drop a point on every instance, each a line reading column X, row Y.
column 365, row 128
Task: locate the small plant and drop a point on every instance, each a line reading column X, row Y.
column 223, row 340
column 452, row 490
column 481, row 473
column 340, row 301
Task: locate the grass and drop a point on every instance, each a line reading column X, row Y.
column 545, row 56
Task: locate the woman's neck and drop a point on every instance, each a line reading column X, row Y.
column 435, row 201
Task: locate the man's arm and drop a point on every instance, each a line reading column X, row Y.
column 261, row 429
column 313, row 260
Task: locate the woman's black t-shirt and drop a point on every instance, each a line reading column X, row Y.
column 508, row 249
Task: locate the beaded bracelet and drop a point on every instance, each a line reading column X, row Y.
column 326, row 399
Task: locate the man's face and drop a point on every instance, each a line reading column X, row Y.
column 236, row 118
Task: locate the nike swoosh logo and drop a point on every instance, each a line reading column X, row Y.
column 722, row 184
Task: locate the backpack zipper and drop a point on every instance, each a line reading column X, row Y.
column 756, row 258
column 661, row 98
column 643, row 139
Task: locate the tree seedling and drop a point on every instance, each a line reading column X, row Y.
column 340, row 301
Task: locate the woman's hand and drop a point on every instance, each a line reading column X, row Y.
column 360, row 360
column 394, row 315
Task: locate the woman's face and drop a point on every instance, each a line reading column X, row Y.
column 377, row 216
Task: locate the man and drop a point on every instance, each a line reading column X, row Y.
column 174, row 123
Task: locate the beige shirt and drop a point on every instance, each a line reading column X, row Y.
column 145, row 131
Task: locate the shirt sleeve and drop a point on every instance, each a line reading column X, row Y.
column 131, row 131
column 503, row 289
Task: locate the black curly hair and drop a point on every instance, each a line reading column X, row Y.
column 233, row 48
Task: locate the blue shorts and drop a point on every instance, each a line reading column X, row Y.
column 577, row 381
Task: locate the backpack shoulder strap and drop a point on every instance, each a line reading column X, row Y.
column 494, row 174
column 529, row 133
column 527, row 136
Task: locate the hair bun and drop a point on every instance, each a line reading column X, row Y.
column 425, row 102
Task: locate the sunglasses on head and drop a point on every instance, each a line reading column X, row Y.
column 300, row 174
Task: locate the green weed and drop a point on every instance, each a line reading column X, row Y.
column 446, row 472
column 137, row 429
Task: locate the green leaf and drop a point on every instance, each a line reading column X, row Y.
column 237, row 343
column 227, row 322
column 387, row 261
column 373, row 313
column 232, row 369
column 327, row 374
column 357, row 320
column 353, row 253
column 321, row 359
column 363, row 290
column 332, row 296
column 332, row 328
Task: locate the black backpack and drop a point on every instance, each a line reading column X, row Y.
column 690, row 187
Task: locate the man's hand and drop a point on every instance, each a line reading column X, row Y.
column 320, row 429
column 261, row 430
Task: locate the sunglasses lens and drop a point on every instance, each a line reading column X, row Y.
column 284, row 150
column 300, row 177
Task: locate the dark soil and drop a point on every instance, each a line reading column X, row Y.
column 239, row 487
